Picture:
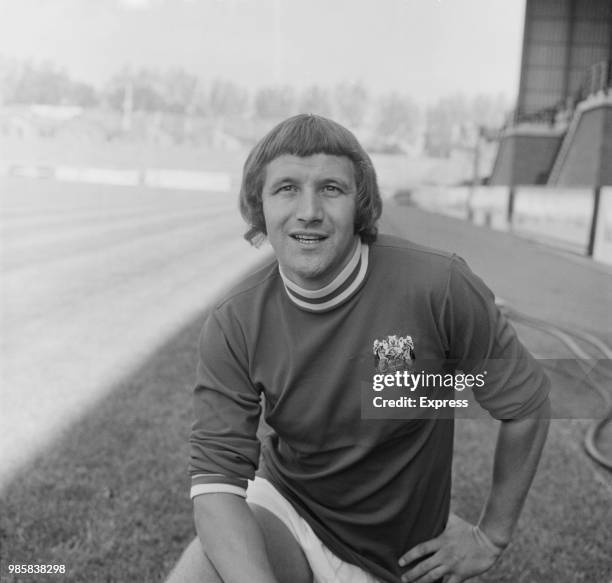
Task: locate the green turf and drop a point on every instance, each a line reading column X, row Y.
column 110, row 499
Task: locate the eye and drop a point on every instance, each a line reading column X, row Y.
column 286, row 188
column 332, row 189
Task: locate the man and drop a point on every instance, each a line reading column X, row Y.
column 340, row 497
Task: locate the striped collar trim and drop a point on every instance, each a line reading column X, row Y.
column 343, row 286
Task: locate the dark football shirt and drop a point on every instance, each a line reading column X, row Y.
column 371, row 489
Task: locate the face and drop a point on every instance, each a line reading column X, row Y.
column 309, row 208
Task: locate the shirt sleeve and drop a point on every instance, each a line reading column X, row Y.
column 224, row 449
column 481, row 340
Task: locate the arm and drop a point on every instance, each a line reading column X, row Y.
column 224, row 454
column 231, row 538
column 518, row 450
column 463, row 551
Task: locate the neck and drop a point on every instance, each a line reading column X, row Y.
column 342, row 287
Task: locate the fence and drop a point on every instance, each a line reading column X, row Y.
column 596, row 80
column 174, row 179
column 575, row 219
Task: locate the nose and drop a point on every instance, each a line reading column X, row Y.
column 309, row 208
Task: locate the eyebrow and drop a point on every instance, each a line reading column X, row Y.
column 338, row 181
column 290, row 179
column 282, row 180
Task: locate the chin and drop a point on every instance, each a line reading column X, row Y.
column 308, row 274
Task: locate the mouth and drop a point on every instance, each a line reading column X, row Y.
column 308, row 238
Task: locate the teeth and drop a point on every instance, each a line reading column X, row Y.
column 308, row 239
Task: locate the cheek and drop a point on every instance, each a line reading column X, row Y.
column 346, row 217
column 268, row 213
column 265, row 215
column 273, row 219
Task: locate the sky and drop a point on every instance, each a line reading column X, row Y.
column 423, row 48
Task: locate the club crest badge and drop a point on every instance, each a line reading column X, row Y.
column 393, row 353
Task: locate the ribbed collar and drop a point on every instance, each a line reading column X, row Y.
column 335, row 293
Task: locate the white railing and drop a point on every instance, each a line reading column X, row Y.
column 575, row 219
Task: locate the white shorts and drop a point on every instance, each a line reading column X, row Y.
column 326, row 567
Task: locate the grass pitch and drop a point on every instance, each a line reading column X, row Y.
column 110, row 499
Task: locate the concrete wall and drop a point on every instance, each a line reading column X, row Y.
column 585, row 158
column 561, row 216
column 606, row 152
column 525, row 157
column 603, row 234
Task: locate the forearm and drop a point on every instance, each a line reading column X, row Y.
column 231, row 538
column 517, row 453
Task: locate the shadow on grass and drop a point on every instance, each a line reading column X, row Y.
column 110, row 499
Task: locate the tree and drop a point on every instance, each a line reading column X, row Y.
column 45, row 84
column 274, row 102
column 226, row 98
column 9, row 77
column 179, row 91
column 490, row 111
column 351, row 103
column 444, row 122
column 398, row 119
column 455, row 121
column 313, row 99
column 144, row 88
column 82, row 94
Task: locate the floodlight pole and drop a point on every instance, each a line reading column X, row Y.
column 475, row 180
column 278, row 49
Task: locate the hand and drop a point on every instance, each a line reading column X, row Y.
column 462, row 551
